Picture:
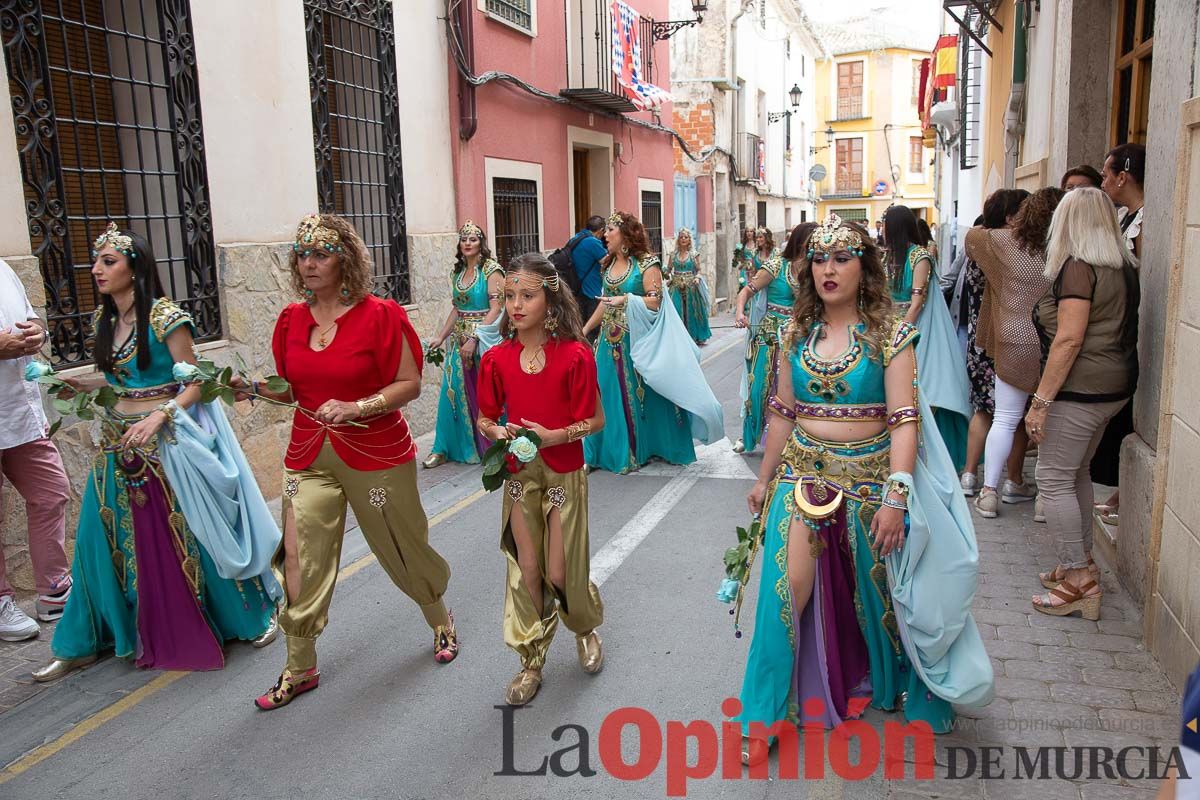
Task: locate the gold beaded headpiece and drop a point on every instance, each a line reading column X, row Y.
column 113, row 238
column 531, row 280
column 469, row 228
column 832, row 235
column 682, row 231
column 615, row 219
column 312, row 234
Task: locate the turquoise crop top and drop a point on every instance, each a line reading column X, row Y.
column 475, row 296
column 631, row 283
column 165, row 317
column 849, row 386
column 688, row 265
column 902, row 284
column 780, row 290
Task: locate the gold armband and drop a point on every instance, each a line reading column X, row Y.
column 918, row 291
column 485, row 424
column 902, row 416
column 578, row 430
column 372, row 406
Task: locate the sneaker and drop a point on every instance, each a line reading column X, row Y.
column 15, row 624
column 1039, row 510
column 987, row 503
column 50, row 607
column 1018, row 492
column 970, row 483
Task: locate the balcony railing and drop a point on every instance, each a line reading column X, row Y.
column 850, row 107
column 751, row 157
column 590, row 76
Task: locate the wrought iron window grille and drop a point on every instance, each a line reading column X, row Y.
column 356, row 129
column 106, row 108
column 516, row 204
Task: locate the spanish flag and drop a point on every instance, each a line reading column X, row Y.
column 945, row 61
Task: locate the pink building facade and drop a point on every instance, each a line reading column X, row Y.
column 530, row 169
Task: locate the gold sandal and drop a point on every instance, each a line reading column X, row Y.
column 1073, row 599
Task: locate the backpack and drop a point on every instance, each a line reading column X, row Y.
column 561, row 259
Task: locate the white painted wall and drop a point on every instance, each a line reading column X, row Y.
column 254, row 97
column 426, row 129
column 14, row 224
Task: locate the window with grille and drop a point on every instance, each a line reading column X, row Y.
column 916, row 155
column 850, row 90
column 1134, row 62
column 356, row 126
column 515, row 12
column 516, row 204
column 108, row 128
column 762, row 213
column 652, row 221
column 849, row 165
column 858, row 215
column 916, row 82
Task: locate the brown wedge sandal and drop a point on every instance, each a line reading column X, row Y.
column 1073, row 600
column 1054, row 577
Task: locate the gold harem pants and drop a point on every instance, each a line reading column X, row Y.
column 536, row 491
column 393, row 522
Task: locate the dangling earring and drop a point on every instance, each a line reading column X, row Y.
column 552, row 324
column 624, row 251
column 309, row 297
column 345, row 295
column 862, row 286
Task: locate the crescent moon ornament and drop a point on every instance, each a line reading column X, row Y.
column 813, row 510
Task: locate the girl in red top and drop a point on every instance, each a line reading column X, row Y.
column 350, row 357
column 543, row 377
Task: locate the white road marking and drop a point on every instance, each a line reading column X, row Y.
column 716, row 460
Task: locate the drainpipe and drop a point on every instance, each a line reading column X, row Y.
column 1014, row 124
column 734, row 96
column 468, row 118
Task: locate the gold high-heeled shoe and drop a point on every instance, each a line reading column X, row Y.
column 61, row 667
column 523, row 687
column 269, row 635
column 591, row 653
column 434, row 460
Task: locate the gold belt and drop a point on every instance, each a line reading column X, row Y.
column 825, row 472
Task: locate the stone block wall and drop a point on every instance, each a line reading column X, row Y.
column 255, row 286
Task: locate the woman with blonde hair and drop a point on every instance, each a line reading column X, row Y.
column 1088, row 325
column 688, row 290
column 352, row 361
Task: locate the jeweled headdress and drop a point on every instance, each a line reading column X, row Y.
column 615, row 219
column 469, row 228
column 312, row 234
column 113, row 238
column 832, row 235
column 531, row 280
column 682, row 231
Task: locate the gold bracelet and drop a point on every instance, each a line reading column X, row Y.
column 1039, row 402
column 372, row 406
column 483, row 425
column 578, row 430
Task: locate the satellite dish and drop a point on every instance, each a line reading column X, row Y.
column 817, row 172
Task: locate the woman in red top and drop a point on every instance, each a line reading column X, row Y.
column 543, row 376
column 350, row 357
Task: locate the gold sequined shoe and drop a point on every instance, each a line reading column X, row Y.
column 434, row 460
column 61, row 667
column 288, row 688
column 267, row 636
column 445, row 642
column 591, row 653
column 524, row 687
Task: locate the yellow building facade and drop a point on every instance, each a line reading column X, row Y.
column 872, row 148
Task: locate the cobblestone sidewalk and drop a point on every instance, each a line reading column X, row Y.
column 1060, row 681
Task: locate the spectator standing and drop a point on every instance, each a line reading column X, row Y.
column 585, row 257
column 1083, row 175
column 32, row 463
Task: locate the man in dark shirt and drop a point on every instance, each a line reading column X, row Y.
column 586, row 260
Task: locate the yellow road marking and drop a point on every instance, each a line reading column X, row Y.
column 40, row 754
column 736, row 340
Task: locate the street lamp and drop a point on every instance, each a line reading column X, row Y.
column 828, row 141
column 794, row 98
column 661, row 31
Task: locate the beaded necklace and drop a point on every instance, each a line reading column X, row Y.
column 617, row 283
column 460, row 295
column 828, row 374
